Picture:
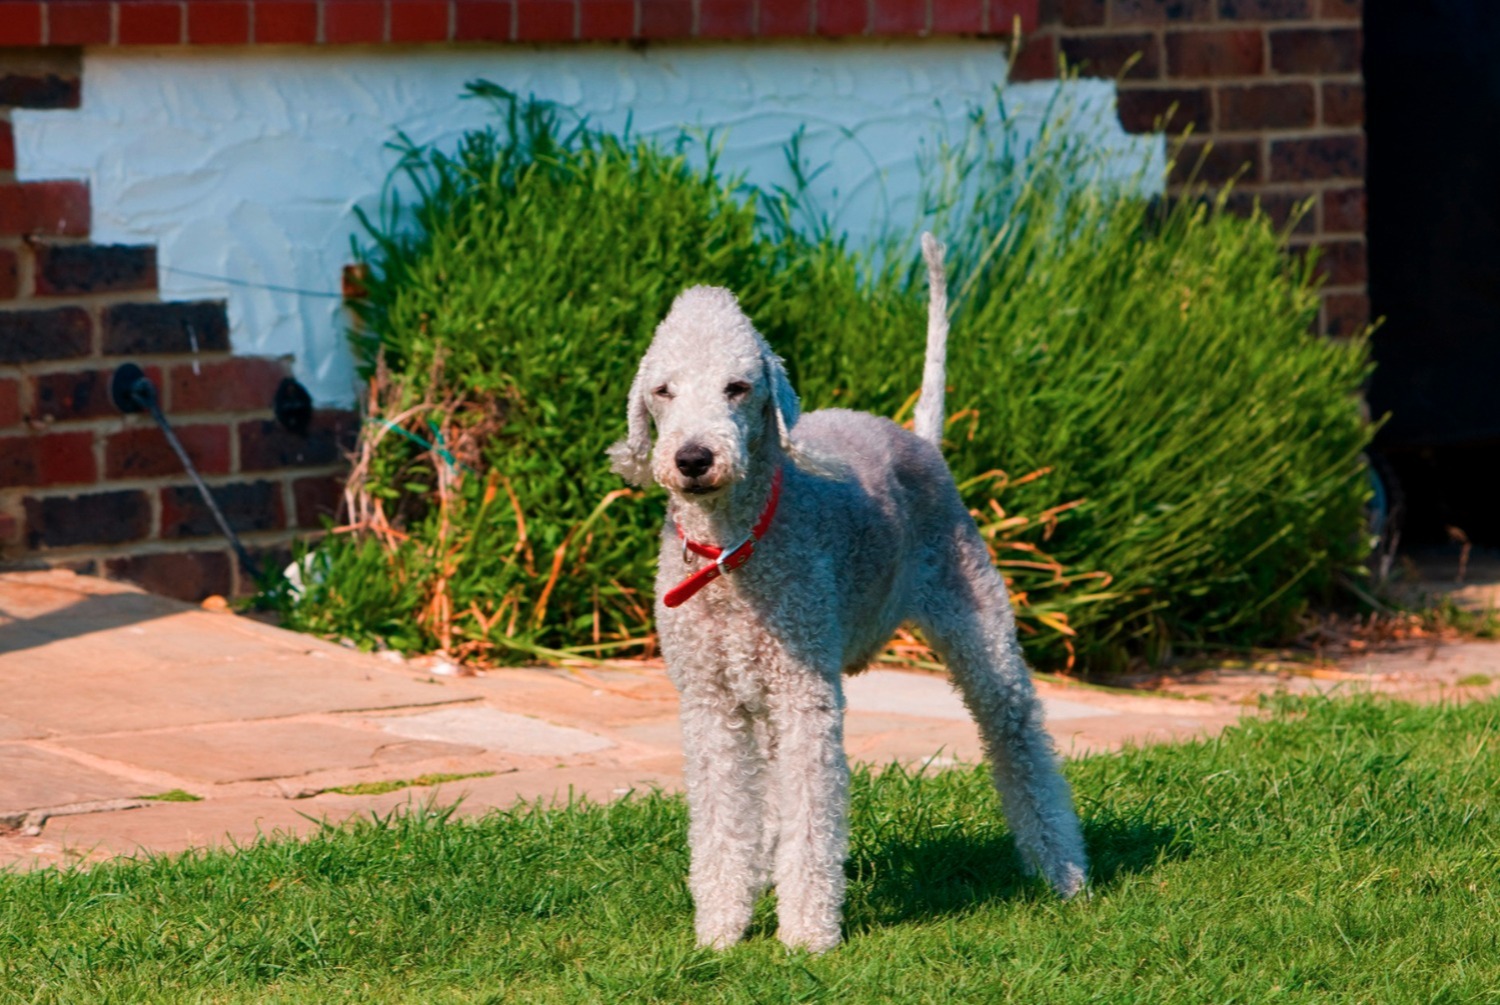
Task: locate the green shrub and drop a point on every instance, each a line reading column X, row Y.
column 1156, row 360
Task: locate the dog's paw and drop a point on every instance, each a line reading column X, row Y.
column 1071, row 880
column 717, row 942
column 811, row 940
column 719, row 933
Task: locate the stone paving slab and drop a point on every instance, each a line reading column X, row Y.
column 109, row 693
column 1427, row 663
column 255, row 751
column 15, row 729
column 876, row 738
column 582, row 699
column 56, row 602
column 169, row 828
column 33, row 779
column 183, row 693
column 1471, row 580
column 490, row 729
column 933, row 697
column 158, row 829
column 89, row 659
column 105, row 697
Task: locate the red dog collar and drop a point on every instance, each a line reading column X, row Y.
column 724, row 559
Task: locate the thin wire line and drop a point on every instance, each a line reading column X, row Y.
column 246, row 283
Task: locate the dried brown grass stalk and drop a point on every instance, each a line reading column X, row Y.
column 1040, row 570
column 451, row 428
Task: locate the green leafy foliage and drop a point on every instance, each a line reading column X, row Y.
column 1203, row 450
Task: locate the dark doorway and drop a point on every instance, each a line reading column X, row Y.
column 1432, row 81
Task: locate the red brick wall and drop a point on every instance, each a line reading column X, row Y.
column 80, row 484
column 347, row 22
column 1270, row 88
column 1266, row 91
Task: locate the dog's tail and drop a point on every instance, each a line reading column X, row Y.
column 928, row 420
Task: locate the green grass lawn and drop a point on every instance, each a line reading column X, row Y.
column 1341, row 851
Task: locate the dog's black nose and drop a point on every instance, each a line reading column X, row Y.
column 694, row 459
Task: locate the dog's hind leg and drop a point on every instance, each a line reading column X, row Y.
column 968, row 620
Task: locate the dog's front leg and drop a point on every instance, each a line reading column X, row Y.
column 725, row 783
column 811, row 787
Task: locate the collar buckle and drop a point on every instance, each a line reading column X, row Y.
column 725, row 560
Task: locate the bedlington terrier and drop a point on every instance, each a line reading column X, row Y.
column 795, row 547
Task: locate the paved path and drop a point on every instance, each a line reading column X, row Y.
column 109, row 695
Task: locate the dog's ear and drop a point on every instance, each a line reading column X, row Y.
column 784, row 401
column 631, row 457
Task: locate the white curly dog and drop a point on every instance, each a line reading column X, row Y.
column 794, row 549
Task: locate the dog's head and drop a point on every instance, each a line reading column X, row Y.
column 716, row 393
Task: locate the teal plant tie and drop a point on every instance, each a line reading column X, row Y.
column 441, row 448
column 437, row 448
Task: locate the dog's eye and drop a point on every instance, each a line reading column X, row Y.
column 736, row 389
column 663, row 392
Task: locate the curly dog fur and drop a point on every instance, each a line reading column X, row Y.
column 869, row 533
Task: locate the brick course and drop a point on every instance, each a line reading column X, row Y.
column 150, row 23
column 1137, row 56
column 1344, row 210
column 79, row 22
column 1268, row 95
column 417, row 21
column 10, row 278
column 266, row 446
column 44, row 209
column 99, row 519
column 224, row 22
column 1343, row 104
column 294, row 22
column 37, row 90
column 76, row 395
column 143, row 451
column 93, row 268
column 136, row 329
column 36, row 335
column 1257, row 107
column 10, row 402
column 1315, row 51
column 317, row 499
column 1267, row 92
column 1204, row 54
column 1265, row 10
column 188, row 575
column 1174, row 109
column 1157, row 12
column 82, row 486
column 1215, row 162
column 241, row 384
column 47, row 459
column 366, row 22
column 248, row 506
column 22, row 24
column 1319, row 158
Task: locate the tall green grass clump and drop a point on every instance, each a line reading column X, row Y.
column 1155, row 355
column 1154, row 444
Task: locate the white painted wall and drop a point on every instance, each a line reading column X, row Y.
column 243, row 166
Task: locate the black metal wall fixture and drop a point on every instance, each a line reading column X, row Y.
column 293, row 407
column 132, row 391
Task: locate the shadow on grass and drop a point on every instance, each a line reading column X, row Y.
column 955, row 872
